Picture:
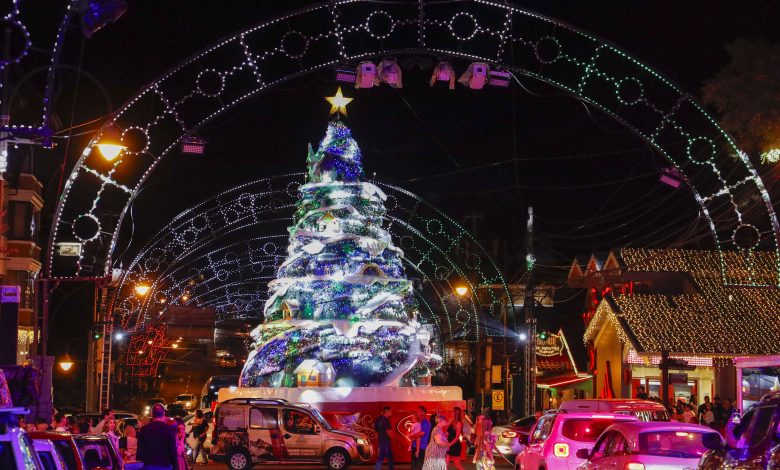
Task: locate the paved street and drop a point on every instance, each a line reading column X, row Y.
column 221, row 466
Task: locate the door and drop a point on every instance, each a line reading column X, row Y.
column 265, row 436
column 301, row 435
column 599, row 453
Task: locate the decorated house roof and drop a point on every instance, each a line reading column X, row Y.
column 697, row 314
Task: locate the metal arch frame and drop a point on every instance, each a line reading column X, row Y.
column 433, row 258
column 721, row 178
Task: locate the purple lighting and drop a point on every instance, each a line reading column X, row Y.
column 671, row 177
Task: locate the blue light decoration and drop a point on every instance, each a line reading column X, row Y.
column 341, row 296
column 95, row 14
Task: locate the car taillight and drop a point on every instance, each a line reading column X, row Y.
column 508, row 434
column 561, row 450
column 634, row 466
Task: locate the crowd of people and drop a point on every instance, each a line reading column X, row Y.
column 714, row 413
column 160, row 443
column 438, row 441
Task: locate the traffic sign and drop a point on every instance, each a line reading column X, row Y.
column 498, row 400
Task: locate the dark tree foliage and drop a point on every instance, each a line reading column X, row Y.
column 746, row 94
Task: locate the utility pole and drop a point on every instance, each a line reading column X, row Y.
column 529, row 369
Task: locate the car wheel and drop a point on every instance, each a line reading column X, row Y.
column 239, row 459
column 337, row 459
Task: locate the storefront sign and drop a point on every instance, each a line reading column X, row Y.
column 678, row 379
column 552, row 346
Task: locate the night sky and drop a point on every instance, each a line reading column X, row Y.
column 593, row 184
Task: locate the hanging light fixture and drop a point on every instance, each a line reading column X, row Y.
column 66, row 363
column 110, row 144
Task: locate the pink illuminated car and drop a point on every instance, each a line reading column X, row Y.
column 647, row 446
column 557, row 437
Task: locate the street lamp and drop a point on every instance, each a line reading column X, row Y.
column 142, row 289
column 110, row 144
column 462, row 290
column 66, row 363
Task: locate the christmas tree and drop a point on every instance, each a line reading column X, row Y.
column 341, row 310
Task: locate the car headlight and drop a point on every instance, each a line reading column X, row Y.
column 361, row 442
column 188, row 404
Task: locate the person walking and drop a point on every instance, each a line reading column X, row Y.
column 476, row 438
column 128, row 444
column 181, row 445
column 157, row 442
column 484, row 456
column 422, row 437
column 454, row 435
column 383, row 429
column 199, row 429
column 436, row 453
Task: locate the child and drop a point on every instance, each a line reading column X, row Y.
column 416, row 427
column 485, row 459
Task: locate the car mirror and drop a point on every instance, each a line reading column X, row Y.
column 712, row 441
column 583, row 454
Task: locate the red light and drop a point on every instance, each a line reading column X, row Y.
column 508, row 434
column 634, row 466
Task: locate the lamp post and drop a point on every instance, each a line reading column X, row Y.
column 66, row 363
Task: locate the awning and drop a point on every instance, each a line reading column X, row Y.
column 560, row 380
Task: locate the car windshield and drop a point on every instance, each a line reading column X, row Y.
column 680, row 444
column 323, row 422
column 156, row 400
column 523, row 422
column 585, row 429
column 63, row 448
column 6, row 455
column 96, row 453
column 184, row 397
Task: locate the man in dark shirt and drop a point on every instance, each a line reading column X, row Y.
column 383, row 429
column 719, row 412
column 703, row 409
column 641, row 393
column 157, row 442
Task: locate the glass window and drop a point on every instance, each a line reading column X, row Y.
column 601, row 446
column 617, row 445
column 263, row 418
column 28, row 454
column 298, row 422
column 66, row 453
column 761, row 426
column 230, row 417
column 523, row 422
column 47, row 460
column 543, row 429
column 95, row 453
column 585, row 430
column 6, row 455
column 684, row 445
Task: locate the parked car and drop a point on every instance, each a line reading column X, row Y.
column 175, row 410
column 192, row 441
column 16, row 447
column 647, row 445
column 509, row 436
column 150, row 403
column 97, row 451
column 187, row 400
column 50, row 459
column 228, row 361
column 752, row 440
column 253, row 431
column 557, row 437
column 64, row 445
column 126, row 416
column 644, row 410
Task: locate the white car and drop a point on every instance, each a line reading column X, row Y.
column 192, row 441
column 16, row 448
column 647, row 446
column 557, row 438
column 187, row 400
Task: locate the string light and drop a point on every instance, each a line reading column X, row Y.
column 582, row 65
column 712, row 320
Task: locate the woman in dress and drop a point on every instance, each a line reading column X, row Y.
column 476, row 438
column 436, row 452
column 454, row 433
column 181, row 446
column 485, row 460
column 109, row 428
